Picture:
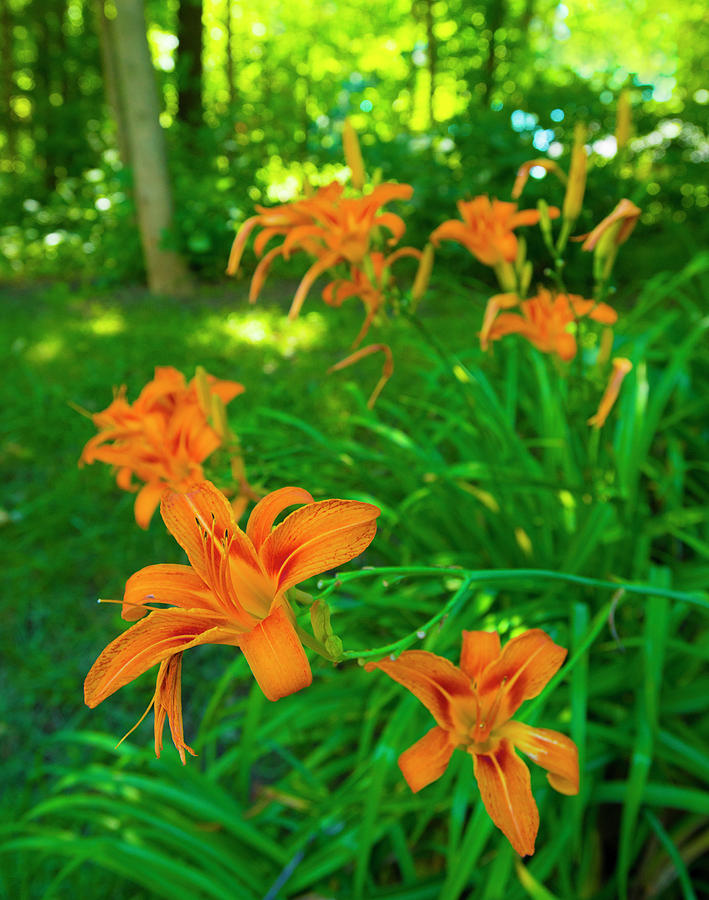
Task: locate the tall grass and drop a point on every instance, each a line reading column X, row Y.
column 476, row 462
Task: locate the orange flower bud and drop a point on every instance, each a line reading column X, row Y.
column 423, row 275
column 204, row 393
column 604, row 351
column 573, row 201
column 353, row 155
column 621, row 367
column 625, row 215
column 219, row 419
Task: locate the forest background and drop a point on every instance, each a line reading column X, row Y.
column 250, row 101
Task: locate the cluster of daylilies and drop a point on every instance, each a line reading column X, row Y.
column 164, row 436
column 343, row 232
column 241, row 586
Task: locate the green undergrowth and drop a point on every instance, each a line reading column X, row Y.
column 480, row 462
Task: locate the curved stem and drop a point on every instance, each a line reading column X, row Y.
column 487, row 576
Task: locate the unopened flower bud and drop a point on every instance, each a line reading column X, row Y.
column 353, row 155
column 573, row 200
column 423, row 275
column 204, row 394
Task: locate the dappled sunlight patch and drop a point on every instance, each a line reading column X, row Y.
column 107, row 323
column 45, row 350
column 264, row 329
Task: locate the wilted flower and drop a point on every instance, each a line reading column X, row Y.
column 618, row 225
column 621, row 367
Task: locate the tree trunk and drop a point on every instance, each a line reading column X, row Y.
column 44, row 117
column 189, row 61
column 527, row 17
column 111, row 83
column 497, row 15
column 231, row 85
column 6, row 72
column 167, row 273
column 432, row 56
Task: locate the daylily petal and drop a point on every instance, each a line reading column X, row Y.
column 526, row 664
column 551, row 750
column 392, row 222
column 261, row 271
column 124, row 478
column 203, row 508
column 317, row 268
column 505, row 789
column 168, row 702
column 237, row 248
column 163, row 633
column 565, row 346
column 384, row 193
column 146, row 502
column 531, row 216
column 276, row 656
column 318, row 537
column 626, row 212
column 163, row 583
column 269, row 508
column 167, row 380
column 427, row 759
column 600, row 312
column 224, row 389
column 451, row 230
column 603, row 313
column 480, row 648
column 494, row 305
column 437, row 683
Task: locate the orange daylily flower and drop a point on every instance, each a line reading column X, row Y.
column 543, row 320
column 162, row 438
column 343, row 231
column 276, row 221
column 473, row 707
column 370, row 288
column 233, row 592
column 621, row 367
column 327, row 226
column 487, row 228
column 625, row 216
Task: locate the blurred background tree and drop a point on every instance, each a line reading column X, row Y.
column 448, row 95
